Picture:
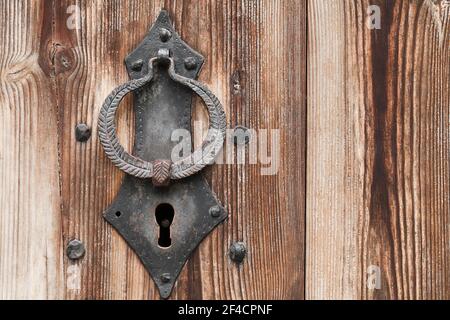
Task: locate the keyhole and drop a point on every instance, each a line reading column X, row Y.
column 164, row 216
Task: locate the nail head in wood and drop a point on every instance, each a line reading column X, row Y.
column 75, row 249
column 82, row 132
column 238, row 251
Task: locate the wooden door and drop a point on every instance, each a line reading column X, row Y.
column 359, row 205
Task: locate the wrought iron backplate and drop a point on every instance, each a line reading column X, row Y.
column 162, row 106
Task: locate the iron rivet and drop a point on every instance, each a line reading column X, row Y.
column 82, row 132
column 238, row 252
column 137, row 65
column 164, row 34
column 190, row 63
column 165, row 277
column 241, row 135
column 75, row 249
column 214, row 211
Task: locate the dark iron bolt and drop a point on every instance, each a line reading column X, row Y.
column 238, row 252
column 215, row 211
column 190, row 63
column 164, row 34
column 137, row 65
column 82, row 132
column 75, row 249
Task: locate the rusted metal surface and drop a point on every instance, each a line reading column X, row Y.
column 163, row 105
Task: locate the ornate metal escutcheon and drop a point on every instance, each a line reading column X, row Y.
column 164, row 208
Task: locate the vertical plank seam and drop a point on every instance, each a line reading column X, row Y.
column 305, row 139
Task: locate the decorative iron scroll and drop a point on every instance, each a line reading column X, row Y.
column 182, row 168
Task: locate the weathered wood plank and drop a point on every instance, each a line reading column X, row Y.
column 257, row 41
column 89, row 64
column 378, row 149
column 30, row 222
column 256, row 62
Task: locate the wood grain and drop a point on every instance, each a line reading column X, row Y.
column 367, row 110
column 256, row 63
column 378, row 149
column 249, row 38
column 30, row 222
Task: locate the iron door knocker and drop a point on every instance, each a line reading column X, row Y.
column 163, row 220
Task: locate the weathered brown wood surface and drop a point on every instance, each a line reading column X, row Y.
column 378, row 150
column 363, row 114
column 30, row 217
column 55, row 189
